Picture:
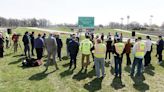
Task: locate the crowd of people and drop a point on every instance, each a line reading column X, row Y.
column 94, row 45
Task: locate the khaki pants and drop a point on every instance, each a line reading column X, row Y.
column 87, row 60
column 53, row 54
column 15, row 47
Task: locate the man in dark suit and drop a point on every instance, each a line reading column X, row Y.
column 73, row 49
column 32, row 43
column 67, row 44
column 160, row 45
column 26, row 42
column 59, row 46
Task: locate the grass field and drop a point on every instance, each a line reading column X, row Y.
column 15, row 78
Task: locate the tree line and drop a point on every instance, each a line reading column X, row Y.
column 135, row 26
column 31, row 22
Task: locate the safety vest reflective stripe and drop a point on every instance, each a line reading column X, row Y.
column 140, row 50
column 119, row 47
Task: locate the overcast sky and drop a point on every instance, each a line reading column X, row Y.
column 67, row 11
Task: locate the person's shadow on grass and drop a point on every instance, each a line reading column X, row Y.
column 94, row 85
column 18, row 61
column 149, row 70
column 112, row 70
column 139, row 84
column 162, row 64
column 117, row 83
column 80, row 75
column 127, row 69
column 66, row 73
column 40, row 76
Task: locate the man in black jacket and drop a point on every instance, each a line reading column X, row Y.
column 67, row 44
column 73, row 49
column 32, row 43
column 160, row 45
column 59, row 46
column 26, row 42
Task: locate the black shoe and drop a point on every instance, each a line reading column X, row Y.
column 120, row 76
column 116, row 76
column 93, row 66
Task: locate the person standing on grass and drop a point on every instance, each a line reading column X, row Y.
column 85, row 47
column 73, row 49
column 99, row 54
column 128, row 51
column 59, row 46
column 139, row 50
column 51, row 46
column 67, row 44
column 108, row 47
column 39, row 44
column 1, row 45
column 15, row 38
column 147, row 57
column 102, row 37
column 116, row 36
column 160, row 46
column 119, row 49
column 26, row 42
column 109, row 35
column 32, row 43
column 44, row 37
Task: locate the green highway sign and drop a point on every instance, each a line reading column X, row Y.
column 86, row 22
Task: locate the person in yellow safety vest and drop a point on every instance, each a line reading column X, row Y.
column 85, row 48
column 138, row 51
column 99, row 60
column 119, row 49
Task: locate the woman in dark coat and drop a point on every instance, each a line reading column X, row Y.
column 1, row 45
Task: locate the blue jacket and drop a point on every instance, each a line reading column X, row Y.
column 73, row 47
column 160, row 46
column 39, row 43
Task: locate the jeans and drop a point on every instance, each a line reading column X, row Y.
column 128, row 59
column 27, row 49
column 137, row 62
column 99, row 64
column 118, row 65
column 73, row 59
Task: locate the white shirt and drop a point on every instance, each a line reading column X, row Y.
column 148, row 45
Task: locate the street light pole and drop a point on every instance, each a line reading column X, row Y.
column 122, row 22
column 151, row 19
column 128, row 17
